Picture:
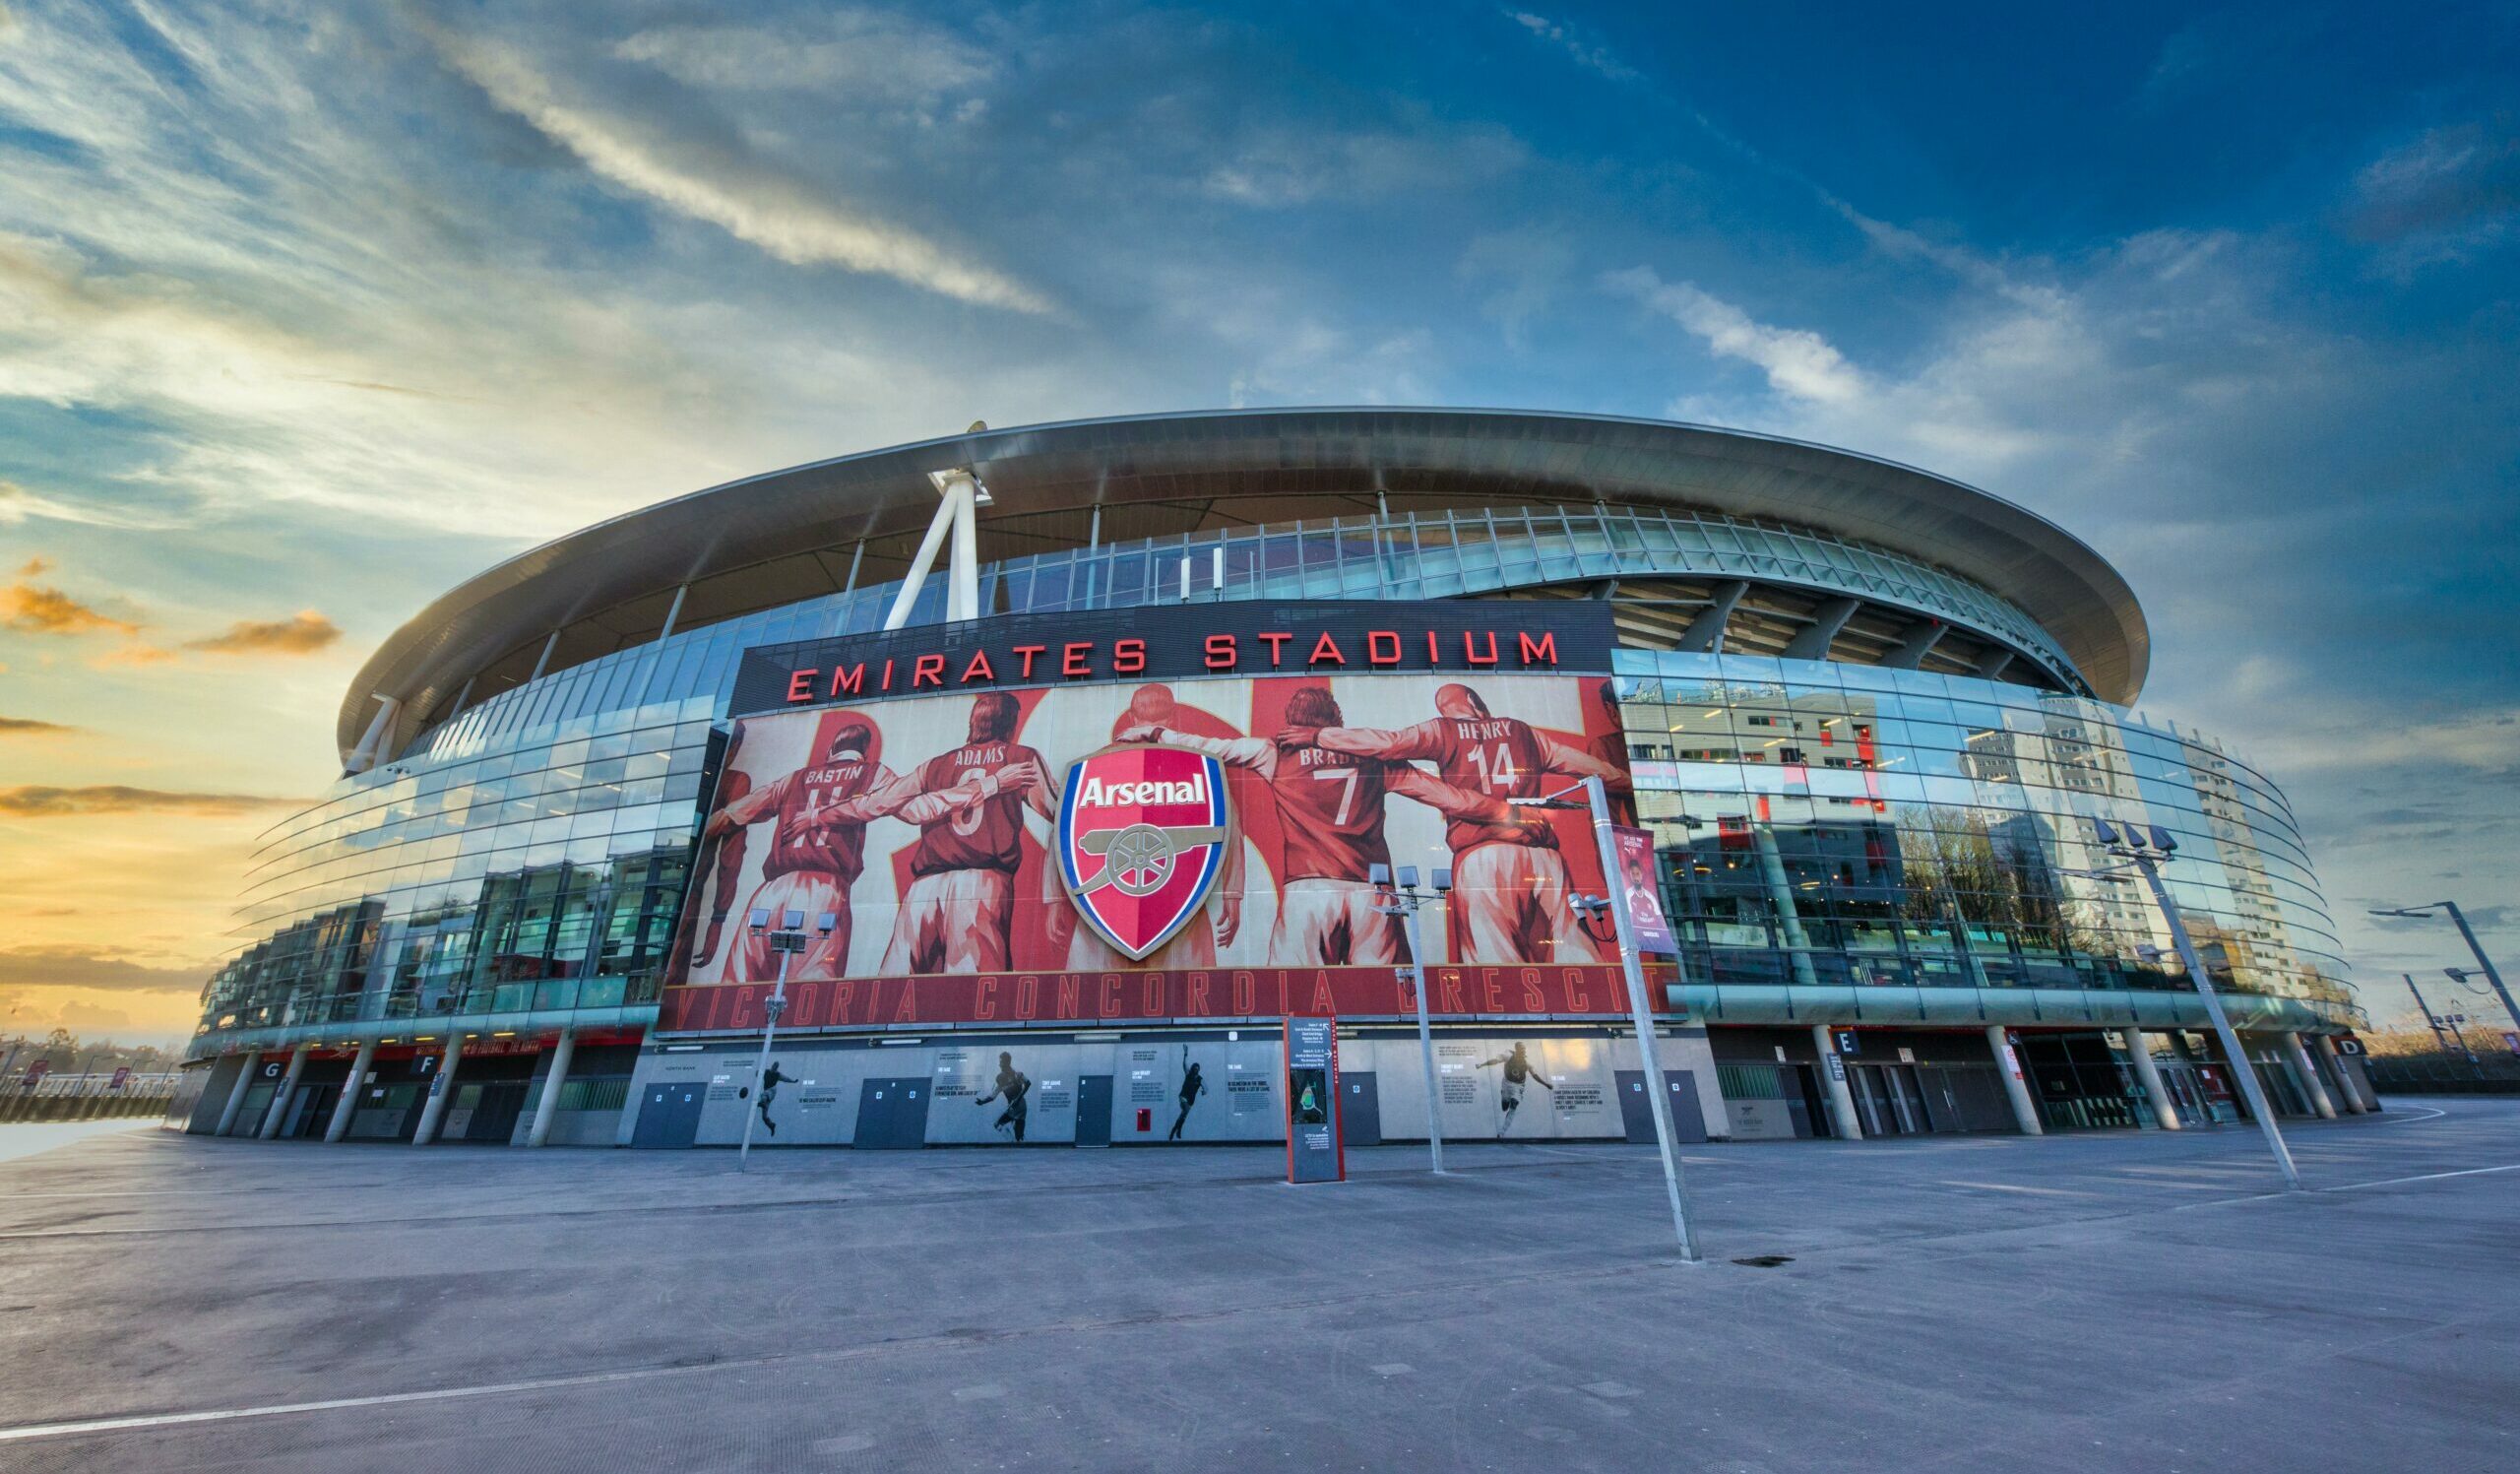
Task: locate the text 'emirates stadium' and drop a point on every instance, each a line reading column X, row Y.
column 1029, row 780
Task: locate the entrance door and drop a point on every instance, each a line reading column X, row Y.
column 671, row 1114
column 1906, row 1098
column 1815, row 1107
column 2178, row 1082
column 2283, row 1090
column 1360, row 1113
column 1635, row 1106
column 315, row 1116
column 1874, row 1103
column 1094, row 1109
column 494, row 1111
column 1688, row 1120
column 258, row 1103
column 893, row 1114
column 2222, row 1101
column 1965, row 1098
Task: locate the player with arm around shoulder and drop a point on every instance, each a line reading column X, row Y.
column 1331, row 812
column 1509, row 902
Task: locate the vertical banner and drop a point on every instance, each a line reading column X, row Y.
column 1635, row 848
column 1314, row 1153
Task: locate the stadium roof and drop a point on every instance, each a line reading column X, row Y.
column 1482, row 456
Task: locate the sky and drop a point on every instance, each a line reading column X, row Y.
column 310, row 311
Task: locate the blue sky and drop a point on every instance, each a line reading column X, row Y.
column 309, row 311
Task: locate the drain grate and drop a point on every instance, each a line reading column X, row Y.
column 1766, row 1260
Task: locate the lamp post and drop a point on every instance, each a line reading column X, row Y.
column 786, row 939
column 1403, row 900
column 2439, row 1038
column 1596, row 799
column 2459, row 920
column 2147, row 850
column 2460, row 976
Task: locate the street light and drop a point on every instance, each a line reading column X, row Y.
column 2440, row 1039
column 786, row 939
column 2147, row 848
column 1596, row 799
column 2459, row 920
column 1403, row 900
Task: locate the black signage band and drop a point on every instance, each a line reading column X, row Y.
column 1246, row 639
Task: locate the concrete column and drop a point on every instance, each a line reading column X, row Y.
column 2356, row 1083
column 1705, row 634
column 1812, row 644
column 279, row 1109
column 2341, row 1088
column 2320, row 1100
column 1920, row 639
column 348, row 1106
column 2148, row 1075
column 552, row 1080
column 2025, row 1110
column 236, row 1097
column 1841, row 1099
column 439, row 1089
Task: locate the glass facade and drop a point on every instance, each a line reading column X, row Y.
column 1835, row 825
column 538, row 875
column 521, row 863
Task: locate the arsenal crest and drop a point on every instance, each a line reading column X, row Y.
column 1142, row 836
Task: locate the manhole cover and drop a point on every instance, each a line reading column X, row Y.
column 1766, row 1260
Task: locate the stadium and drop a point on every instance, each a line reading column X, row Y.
column 842, row 735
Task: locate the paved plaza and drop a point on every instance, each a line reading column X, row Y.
column 2096, row 1301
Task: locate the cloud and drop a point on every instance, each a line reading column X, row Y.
column 135, row 654
column 30, row 727
column 304, row 633
column 1591, row 55
column 1797, row 362
column 29, row 609
column 2441, row 196
column 237, row 294
column 18, row 505
column 34, row 801
column 847, row 57
column 715, row 185
column 77, row 967
column 1281, row 168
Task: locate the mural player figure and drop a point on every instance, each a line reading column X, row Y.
column 956, row 915
column 721, row 859
column 771, row 1080
column 1509, row 1091
column 1013, row 1084
column 818, row 842
column 1219, row 922
column 1330, row 811
column 1610, row 750
column 1192, row 1087
column 1509, row 882
column 817, row 849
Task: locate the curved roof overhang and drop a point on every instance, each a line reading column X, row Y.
column 1492, row 455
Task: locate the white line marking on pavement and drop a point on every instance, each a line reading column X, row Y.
column 2426, row 1176
column 2393, row 1118
column 2016, row 1187
column 385, row 1399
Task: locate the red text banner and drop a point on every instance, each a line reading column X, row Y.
column 1015, row 999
